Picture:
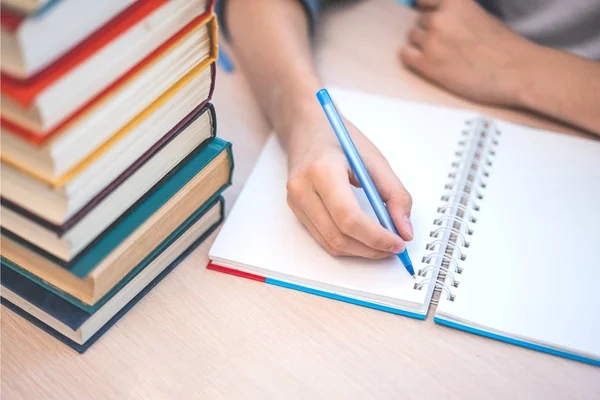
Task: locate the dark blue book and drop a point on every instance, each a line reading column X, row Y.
column 203, row 174
column 80, row 329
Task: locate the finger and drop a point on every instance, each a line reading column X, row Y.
column 412, row 57
column 335, row 241
column 397, row 199
column 301, row 215
column 354, row 180
column 417, row 37
column 341, row 203
column 428, row 4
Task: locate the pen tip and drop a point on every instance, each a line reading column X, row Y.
column 414, row 277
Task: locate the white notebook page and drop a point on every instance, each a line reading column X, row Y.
column 262, row 235
column 533, row 269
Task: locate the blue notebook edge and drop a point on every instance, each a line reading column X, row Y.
column 345, row 299
column 516, row 342
column 81, row 348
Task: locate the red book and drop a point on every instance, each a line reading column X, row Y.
column 24, row 93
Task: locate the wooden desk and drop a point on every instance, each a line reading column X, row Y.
column 206, row 335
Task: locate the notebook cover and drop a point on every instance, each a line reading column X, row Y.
column 517, row 342
column 136, row 215
column 60, row 230
column 24, row 95
column 52, row 300
column 316, row 292
column 82, row 348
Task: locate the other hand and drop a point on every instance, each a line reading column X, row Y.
column 458, row 45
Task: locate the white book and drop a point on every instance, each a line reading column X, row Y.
column 506, row 222
column 42, row 38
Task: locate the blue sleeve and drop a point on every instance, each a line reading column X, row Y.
column 312, row 8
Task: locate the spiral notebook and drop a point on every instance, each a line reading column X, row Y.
column 506, row 218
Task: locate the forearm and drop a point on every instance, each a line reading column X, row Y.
column 271, row 41
column 562, row 86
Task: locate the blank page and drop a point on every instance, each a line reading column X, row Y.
column 533, row 271
column 263, row 236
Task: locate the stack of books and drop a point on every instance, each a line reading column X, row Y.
column 111, row 168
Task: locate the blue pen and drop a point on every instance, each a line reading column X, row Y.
column 361, row 171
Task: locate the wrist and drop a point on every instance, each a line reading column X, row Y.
column 296, row 111
column 525, row 74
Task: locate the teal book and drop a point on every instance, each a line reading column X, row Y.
column 80, row 329
column 137, row 214
column 201, row 177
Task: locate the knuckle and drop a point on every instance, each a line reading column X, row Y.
column 337, row 241
column 334, row 252
column 295, row 186
column 347, row 221
column 330, row 249
column 317, row 167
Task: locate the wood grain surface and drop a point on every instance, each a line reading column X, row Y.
column 205, row 335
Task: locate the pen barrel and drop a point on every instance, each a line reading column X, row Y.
column 356, row 162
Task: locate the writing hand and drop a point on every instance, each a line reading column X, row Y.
column 320, row 195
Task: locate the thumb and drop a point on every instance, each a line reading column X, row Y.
column 397, row 199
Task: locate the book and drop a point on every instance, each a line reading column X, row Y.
column 66, row 240
column 41, row 103
column 505, row 218
column 183, row 64
column 23, row 36
column 111, row 256
column 61, row 200
column 80, row 329
column 27, row 6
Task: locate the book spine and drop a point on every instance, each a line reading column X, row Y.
column 457, row 215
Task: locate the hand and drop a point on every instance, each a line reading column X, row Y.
column 458, row 45
column 320, row 195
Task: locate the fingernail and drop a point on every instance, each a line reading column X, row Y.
column 409, row 227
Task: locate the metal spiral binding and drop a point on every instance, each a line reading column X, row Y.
column 456, row 216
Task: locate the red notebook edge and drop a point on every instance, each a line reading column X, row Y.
column 39, row 139
column 214, row 267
